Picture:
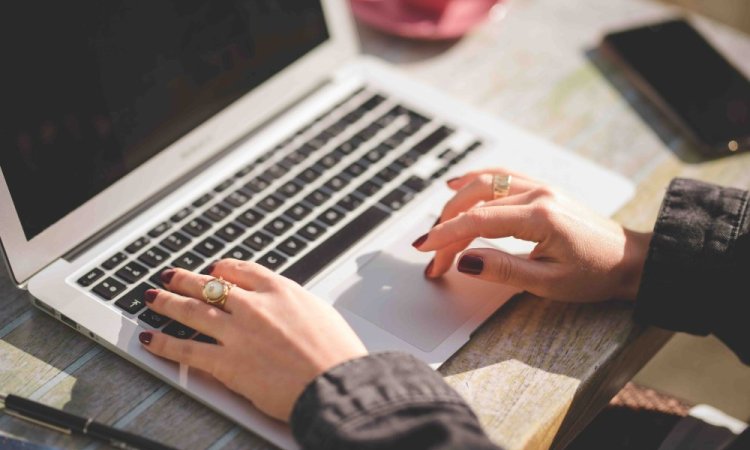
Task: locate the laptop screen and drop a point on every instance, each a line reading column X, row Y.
column 95, row 88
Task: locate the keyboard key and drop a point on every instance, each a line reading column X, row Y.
column 415, row 183
column 258, row 241
column 178, row 330
column 154, row 256
column 224, row 185
column 431, row 141
column 131, row 272
column 237, row 198
column 250, row 217
column 369, row 132
column 272, row 260
column 278, row 226
column 293, row 159
column 312, row 231
column 298, row 211
column 205, row 339
column 355, row 169
column 389, row 173
column 209, row 247
column 397, row 199
column 137, row 245
column 310, row 174
column 175, row 241
column 238, row 252
column 156, row 277
column 133, row 301
column 181, row 214
column 291, row 188
column 331, row 159
column 230, row 231
column 90, row 277
column 331, row 216
column 109, row 288
column 317, row 198
column 369, row 188
column 202, row 200
column 350, row 202
column 270, row 203
column 159, row 229
column 244, row 171
column 348, row 147
column 276, row 171
column 152, row 318
column 217, row 212
column 188, row 261
column 408, row 159
column 336, row 183
column 257, row 185
column 196, row 226
column 313, row 262
column 292, row 246
column 114, row 260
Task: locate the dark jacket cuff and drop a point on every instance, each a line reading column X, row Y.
column 687, row 273
column 379, row 401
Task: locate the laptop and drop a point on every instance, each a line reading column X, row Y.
column 173, row 133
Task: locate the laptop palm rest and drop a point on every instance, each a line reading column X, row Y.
column 390, row 291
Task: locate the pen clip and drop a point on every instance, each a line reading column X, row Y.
column 10, row 412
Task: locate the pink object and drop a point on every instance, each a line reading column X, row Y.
column 423, row 19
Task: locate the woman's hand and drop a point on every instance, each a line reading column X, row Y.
column 579, row 256
column 273, row 336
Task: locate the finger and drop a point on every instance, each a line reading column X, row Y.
column 190, row 311
column 496, row 222
column 444, row 258
column 196, row 354
column 189, row 284
column 247, row 275
column 468, row 177
column 479, row 190
column 500, row 267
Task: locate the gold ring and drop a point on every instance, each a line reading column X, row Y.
column 215, row 292
column 500, row 186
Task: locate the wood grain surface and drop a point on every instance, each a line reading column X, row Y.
column 537, row 371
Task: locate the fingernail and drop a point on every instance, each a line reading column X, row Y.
column 428, row 269
column 150, row 295
column 471, row 264
column 420, row 240
column 145, row 337
column 436, row 222
column 210, row 268
column 452, row 180
column 167, row 276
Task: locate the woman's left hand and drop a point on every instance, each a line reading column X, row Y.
column 274, row 337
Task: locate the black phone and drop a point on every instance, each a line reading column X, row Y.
column 689, row 80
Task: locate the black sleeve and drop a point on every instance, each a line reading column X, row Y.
column 385, row 401
column 697, row 274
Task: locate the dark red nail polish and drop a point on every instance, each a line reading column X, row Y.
column 428, row 269
column 420, row 240
column 145, row 337
column 167, row 276
column 471, row 264
column 452, row 180
column 150, row 295
column 436, row 222
column 210, row 268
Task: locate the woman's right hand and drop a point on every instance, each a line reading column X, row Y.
column 579, row 256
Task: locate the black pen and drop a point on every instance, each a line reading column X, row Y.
column 67, row 423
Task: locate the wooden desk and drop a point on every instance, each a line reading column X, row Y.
column 537, row 372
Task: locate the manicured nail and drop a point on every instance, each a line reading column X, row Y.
column 452, row 180
column 420, row 240
column 210, row 268
column 471, row 264
column 150, row 295
column 436, row 222
column 167, row 276
column 145, row 337
column 428, row 269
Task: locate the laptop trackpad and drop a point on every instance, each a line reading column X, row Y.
column 389, row 290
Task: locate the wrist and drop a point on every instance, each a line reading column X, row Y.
column 636, row 251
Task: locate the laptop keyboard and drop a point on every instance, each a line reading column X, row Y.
column 293, row 210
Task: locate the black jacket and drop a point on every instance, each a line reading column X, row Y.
column 692, row 282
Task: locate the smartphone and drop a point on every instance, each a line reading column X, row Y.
column 673, row 65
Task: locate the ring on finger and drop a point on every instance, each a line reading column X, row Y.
column 500, row 186
column 216, row 291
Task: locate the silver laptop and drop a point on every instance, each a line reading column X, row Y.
column 173, row 134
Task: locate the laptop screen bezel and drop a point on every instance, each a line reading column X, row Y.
column 26, row 257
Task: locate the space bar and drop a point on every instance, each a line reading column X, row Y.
column 312, row 263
